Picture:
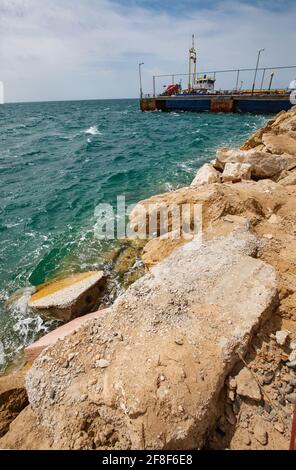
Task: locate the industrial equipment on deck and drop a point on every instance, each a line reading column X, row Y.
column 200, row 95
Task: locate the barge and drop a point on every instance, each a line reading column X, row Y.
column 201, row 96
column 223, row 103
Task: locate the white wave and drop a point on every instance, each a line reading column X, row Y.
column 93, row 130
column 169, row 187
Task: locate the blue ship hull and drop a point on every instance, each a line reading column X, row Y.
column 244, row 103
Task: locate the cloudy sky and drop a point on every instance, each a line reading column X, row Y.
column 88, row 49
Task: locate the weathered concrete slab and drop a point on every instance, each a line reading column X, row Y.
column 70, row 297
column 148, row 373
column 35, row 349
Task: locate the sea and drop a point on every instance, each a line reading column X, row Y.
column 58, row 162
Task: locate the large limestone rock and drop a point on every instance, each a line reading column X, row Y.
column 250, row 199
column 280, row 144
column 13, row 399
column 289, row 180
column 71, row 297
column 288, row 124
column 25, row 434
column 235, row 172
column 148, row 374
column 256, row 139
column 206, row 175
column 264, row 165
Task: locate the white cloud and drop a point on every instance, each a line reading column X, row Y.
column 90, row 49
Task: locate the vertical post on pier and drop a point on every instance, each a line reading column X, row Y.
column 237, row 80
column 262, row 81
column 256, row 69
column 271, row 80
column 173, row 79
column 154, row 88
column 140, row 78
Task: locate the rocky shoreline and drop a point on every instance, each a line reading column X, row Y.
column 200, row 352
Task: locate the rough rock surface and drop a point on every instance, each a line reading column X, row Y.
column 247, row 386
column 25, row 434
column 13, row 398
column 206, row 175
column 235, row 172
column 264, row 165
column 251, row 200
column 70, row 297
column 280, row 144
column 289, row 180
column 159, row 389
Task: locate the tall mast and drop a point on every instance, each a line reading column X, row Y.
column 192, row 60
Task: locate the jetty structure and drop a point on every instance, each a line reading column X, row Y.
column 201, row 95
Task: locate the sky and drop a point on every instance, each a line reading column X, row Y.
column 90, row 49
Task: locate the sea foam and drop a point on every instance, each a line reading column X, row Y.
column 93, row 130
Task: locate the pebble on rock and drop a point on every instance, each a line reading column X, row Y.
column 247, row 386
column 281, row 337
column 103, row 363
column 260, row 434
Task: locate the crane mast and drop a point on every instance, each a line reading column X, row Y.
column 192, row 65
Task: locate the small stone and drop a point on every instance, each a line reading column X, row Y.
column 232, row 384
column 92, row 382
column 281, row 400
column 179, row 341
column 268, row 377
column 267, row 407
column 274, row 219
column 289, row 389
column 83, row 398
column 293, row 344
column 247, row 386
column 71, row 356
column 181, row 409
column 231, row 395
column 246, row 440
column 260, row 434
column 268, row 236
column 281, row 337
column 279, row 427
column 292, row 382
column 291, row 398
column 292, row 356
column 229, row 415
column 103, row 363
column 236, row 406
column 292, row 364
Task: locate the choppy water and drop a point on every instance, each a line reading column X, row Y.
column 59, row 160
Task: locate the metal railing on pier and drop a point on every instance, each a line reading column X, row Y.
column 263, row 78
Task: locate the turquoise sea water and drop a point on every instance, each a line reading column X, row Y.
column 59, row 160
